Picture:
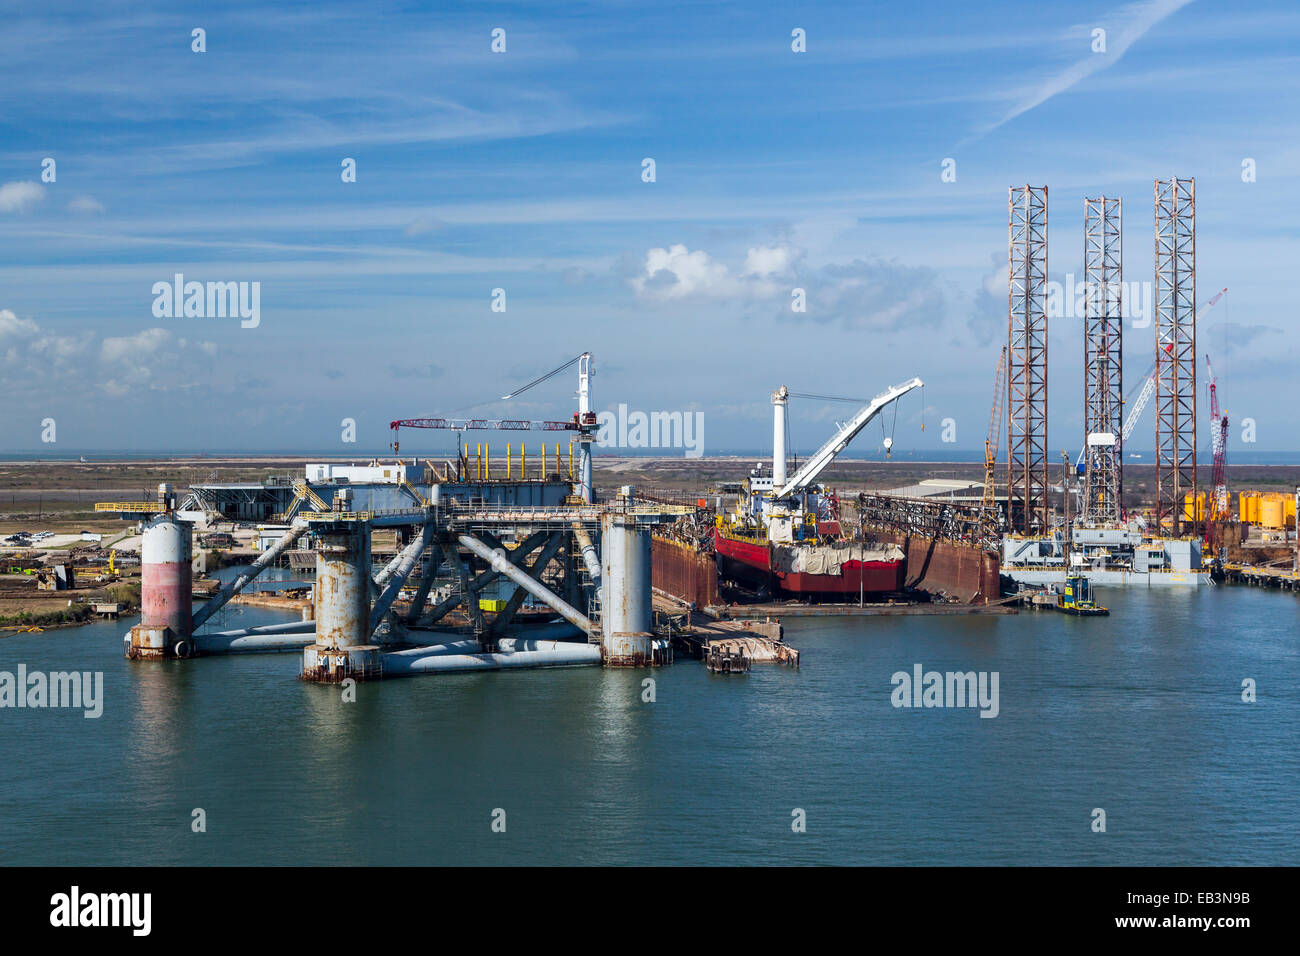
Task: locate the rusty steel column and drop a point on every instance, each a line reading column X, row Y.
column 166, row 584
column 342, row 596
column 626, row 609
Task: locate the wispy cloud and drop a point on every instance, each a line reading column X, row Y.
column 86, row 205
column 1134, row 20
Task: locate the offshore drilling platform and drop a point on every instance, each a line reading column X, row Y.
column 524, row 525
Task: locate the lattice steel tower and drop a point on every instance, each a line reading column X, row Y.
column 1027, row 359
column 1103, row 363
column 1175, row 297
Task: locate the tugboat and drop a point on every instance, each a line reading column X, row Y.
column 1077, row 599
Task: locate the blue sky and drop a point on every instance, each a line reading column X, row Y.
column 523, row 171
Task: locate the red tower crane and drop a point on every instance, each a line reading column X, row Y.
column 1217, row 509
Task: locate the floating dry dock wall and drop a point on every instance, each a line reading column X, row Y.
column 681, row 571
column 965, row 572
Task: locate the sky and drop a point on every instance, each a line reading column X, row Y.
column 869, row 170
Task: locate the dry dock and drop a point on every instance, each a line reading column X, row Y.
column 858, row 610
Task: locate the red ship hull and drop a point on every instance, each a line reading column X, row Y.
column 751, row 563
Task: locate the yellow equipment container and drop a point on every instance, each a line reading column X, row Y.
column 1245, row 503
column 1196, row 513
column 496, row 605
column 1272, row 512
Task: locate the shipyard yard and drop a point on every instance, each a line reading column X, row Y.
column 59, row 497
column 633, row 435
column 586, row 612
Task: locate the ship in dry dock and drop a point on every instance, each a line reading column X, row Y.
column 783, row 538
column 814, row 567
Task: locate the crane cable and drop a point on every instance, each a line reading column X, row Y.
column 519, row 391
column 827, row 398
column 538, row 381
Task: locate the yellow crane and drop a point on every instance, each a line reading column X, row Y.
column 995, row 432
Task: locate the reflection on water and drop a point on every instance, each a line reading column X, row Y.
column 1139, row 714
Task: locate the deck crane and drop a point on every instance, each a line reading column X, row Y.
column 781, row 506
column 844, row 434
column 583, row 421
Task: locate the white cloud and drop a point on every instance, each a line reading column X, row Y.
column 13, row 328
column 20, row 196
column 676, row 272
column 764, row 261
column 25, row 345
column 876, row 294
column 141, row 344
column 82, row 368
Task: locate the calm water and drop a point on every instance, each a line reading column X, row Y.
column 1139, row 714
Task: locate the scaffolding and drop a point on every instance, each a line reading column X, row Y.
column 1027, row 358
column 1175, row 301
column 1103, row 392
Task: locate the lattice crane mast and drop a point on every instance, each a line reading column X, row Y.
column 1219, row 437
column 995, row 431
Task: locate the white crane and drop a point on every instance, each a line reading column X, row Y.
column 1149, row 385
column 844, row 434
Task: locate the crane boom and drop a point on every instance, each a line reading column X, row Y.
column 995, row 431
column 1149, row 383
column 845, row 433
column 1140, row 403
column 485, row 424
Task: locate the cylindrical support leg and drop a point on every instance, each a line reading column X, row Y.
column 342, row 608
column 626, row 609
column 166, row 598
column 584, row 472
column 342, row 582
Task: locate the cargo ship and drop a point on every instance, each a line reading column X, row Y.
column 783, row 537
column 814, row 569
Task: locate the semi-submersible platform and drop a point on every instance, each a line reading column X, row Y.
column 527, row 530
column 533, row 528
